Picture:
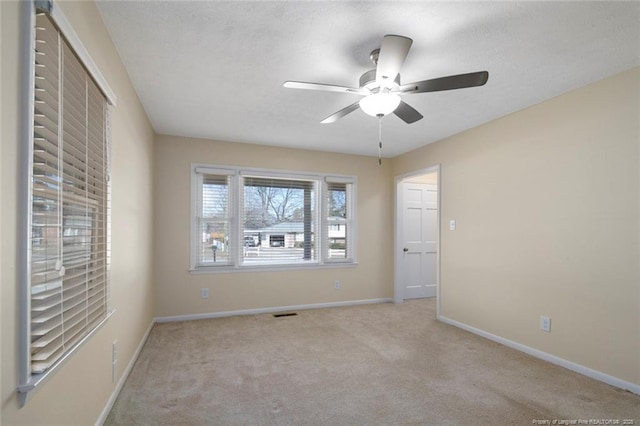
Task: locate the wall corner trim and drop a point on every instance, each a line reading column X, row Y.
column 581, row 369
column 125, row 374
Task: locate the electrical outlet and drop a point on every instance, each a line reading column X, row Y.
column 336, row 284
column 545, row 324
column 204, row 293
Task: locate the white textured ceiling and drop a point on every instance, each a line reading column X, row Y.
column 215, row 69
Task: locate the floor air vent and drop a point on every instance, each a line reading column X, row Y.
column 289, row 314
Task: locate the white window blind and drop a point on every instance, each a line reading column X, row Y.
column 69, row 251
column 339, row 232
column 278, row 220
column 214, row 219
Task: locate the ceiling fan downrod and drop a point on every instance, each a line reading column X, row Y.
column 380, row 139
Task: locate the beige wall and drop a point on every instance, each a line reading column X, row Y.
column 547, row 208
column 547, row 202
column 178, row 291
column 79, row 391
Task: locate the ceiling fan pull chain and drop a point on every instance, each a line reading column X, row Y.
column 379, row 139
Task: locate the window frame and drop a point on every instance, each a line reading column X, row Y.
column 350, row 222
column 29, row 381
column 315, row 215
column 197, row 170
column 319, row 219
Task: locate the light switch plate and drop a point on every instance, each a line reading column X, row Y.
column 452, row 225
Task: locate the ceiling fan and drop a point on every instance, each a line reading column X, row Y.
column 381, row 87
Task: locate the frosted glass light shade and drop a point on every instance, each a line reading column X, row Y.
column 380, row 103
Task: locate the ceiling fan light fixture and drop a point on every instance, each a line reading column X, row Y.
column 378, row 104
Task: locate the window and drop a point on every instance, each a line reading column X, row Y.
column 67, row 267
column 278, row 214
column 339, row 220
column 213, row 220
column 245, row 219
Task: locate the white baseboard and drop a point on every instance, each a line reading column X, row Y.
column 123, row 378
column 270, row 310
column 581, row 369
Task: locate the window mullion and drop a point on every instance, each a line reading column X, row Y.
column 324, row 223
column 308, row 221
column 238, row 210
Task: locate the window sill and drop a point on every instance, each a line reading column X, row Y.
column 36, row 380
column 272, row 268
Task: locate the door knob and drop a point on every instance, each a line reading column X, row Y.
column 405, row 249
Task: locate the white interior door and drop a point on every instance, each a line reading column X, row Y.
column 419, row 240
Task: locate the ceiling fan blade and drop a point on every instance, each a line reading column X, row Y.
column 459, row 81
column 393, row 52
column 338, row 115
column 324, row 87
column 407, row 113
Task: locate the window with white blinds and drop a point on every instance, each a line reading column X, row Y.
column 69, row 247
column 278, row 220
column 283, row 219
column 214, row 219
column 339, row 230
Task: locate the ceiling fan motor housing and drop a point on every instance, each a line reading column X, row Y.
column 368, row 81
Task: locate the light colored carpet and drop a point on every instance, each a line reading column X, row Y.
column 363, row 365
